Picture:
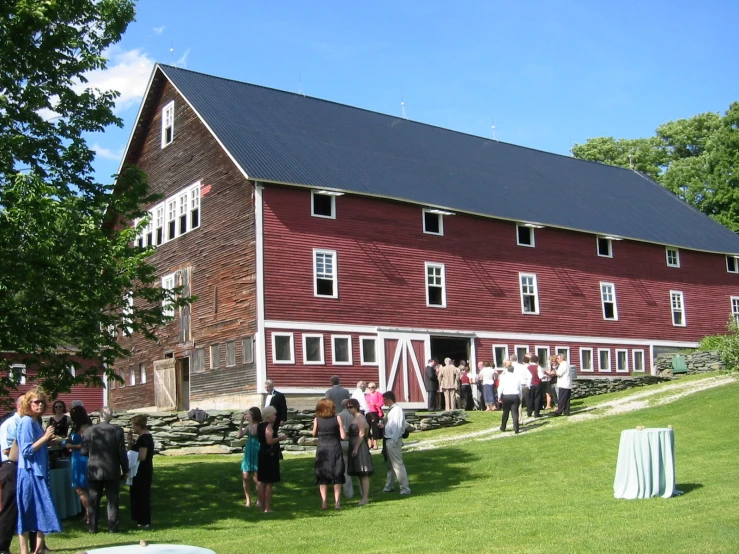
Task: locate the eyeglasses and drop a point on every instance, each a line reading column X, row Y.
column 58, row 407
column 38, row 402
column 373, row 387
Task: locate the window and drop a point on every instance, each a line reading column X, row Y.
column 604, row 359
column 231, row 353
column 542, row 352
column 323, row 204
column 215, row 356
column 735, row 307
column 608, row 299
column 678, row 308
column 18, row 373
column 529, row 294
column 167, row 124
column 731, row 264
column 123, row 378
column 132, row 375
column 167, row 306
column 171, row 219
column 673, row 257
column 622, row 360
column 195, row 207
column 149, row 231
column 500, row 354
column 638, row 360
column 435, row 286
column 313, row 349
column 127, row 313
column 564, row 350
column 433, row 222
column 159, row 224
column 142, row 373
column 324, row 274
column 248, row 350
column 521, row 352
column 605, row 247
column 198, row 361
column 341, row 349
column 368, row 350
column 586, row 359
column 72, row 371
column 283, row 351
column 182, row 212
column 524, row 235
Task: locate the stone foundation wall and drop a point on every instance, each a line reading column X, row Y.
column 697, row 362
column 582, row 388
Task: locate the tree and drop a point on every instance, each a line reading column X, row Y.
column 70, row 275
column 695, row 158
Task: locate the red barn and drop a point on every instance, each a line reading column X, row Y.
column 323, row 239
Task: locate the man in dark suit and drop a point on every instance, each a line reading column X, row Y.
column 105, row 446
column 431, row 383
column 277, row 401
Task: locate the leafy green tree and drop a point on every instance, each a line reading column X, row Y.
column 695, row 158
column 71, row 278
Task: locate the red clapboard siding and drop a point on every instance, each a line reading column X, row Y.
column 381, row 251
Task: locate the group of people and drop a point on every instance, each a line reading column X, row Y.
column 99, row 460
column 343, row 425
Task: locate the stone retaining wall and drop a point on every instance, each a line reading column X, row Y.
column 582, row 388
column 697, row 362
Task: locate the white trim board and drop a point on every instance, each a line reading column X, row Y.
column 260, row 337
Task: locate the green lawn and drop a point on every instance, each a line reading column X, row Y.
column 542, row 492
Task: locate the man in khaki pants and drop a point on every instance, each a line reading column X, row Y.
column 448, row 383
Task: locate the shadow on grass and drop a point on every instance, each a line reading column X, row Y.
column 688, row 487
column 205, row 493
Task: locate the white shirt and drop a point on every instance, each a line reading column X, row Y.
column 487, row 376
column 523, row 374
column 395, row 423
column 564, row 379
column 509, row 383
column 268, row 399
column 8, row 433
column 358, row 395
column 542, row 375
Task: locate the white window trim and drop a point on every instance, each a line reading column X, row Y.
column 531, row 232
column 682, row 309
column 600, row 370
column 322, row 361
column 603, row 302
column 507, row 353
column 584, row 369
column 427, row 265
column 333, row 205
column 72, row 371
column 626, row 352
column 333, row 349
column 536, row 293
column 538, row 347
column 736, row 264
column 731, row 304
column 441, row 222
column 335, row 256
column 667, row 256
column 361, row 350
column 567, row 349
column 21, row 370
column 610, row 247
column 292, row 348
column 168, row 309
column 643, row 360
column 169, row 107
column 525, row 347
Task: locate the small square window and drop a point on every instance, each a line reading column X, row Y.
column 433, row 223
column 673, row 257
column 731, row 264
column 323, row 205
column 524, row 235
column 230, row 353
column 605, row 247
column 215, row 356
column 341, row 350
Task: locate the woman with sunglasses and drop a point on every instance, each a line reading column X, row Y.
column 59, row 419
column 36, row 510
column 360, row 459
column 374, row 415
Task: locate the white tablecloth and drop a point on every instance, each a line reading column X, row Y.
column 646, row 464
column 152, row 549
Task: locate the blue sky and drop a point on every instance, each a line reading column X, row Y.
column 546, row 74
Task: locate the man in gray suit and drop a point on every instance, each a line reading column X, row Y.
column 105, row 446
column 337, row 393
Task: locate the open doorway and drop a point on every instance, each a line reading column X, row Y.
column 182, row 369
column 456, row 348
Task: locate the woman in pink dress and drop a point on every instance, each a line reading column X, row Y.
column 374, row 404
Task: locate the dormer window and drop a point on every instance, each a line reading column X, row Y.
column 168, row 124
column 433, row 221
column 323, row 203
column 605, row 247
column 524, row 235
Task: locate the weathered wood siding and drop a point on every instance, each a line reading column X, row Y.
column 219, row 256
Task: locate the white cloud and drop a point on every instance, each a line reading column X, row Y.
column 182, row 62
column 159, row 30
column 107, row 153
column 128, row 72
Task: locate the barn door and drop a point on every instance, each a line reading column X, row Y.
column 165, row 384
column 404, row 358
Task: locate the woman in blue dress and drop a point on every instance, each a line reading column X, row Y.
column 80, row 422
column 250, row 461
column 36, row 511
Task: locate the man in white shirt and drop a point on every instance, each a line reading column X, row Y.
column 394, row 427
column 524, row 377
column 564, row 386
column 358, row 395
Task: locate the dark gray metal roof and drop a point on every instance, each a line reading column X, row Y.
column 283, row 137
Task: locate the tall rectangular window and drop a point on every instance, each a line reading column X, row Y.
column 608, row 299
column 542, row 352
column 159, row 224
column 142, row 373
column 171, row 219
column 198, row 361
column 195, row 206
column 325, row 274
column 735, row 307
column 500, row 354
column 604, row 359
column 215, row 356
column 529, row 293
column 638, row 356
column 313, row 349
column 731, row 264
column 605, row 247
column 231, row 353
column 132, row 375
column 368, row 348
column 149, row 231
column 622, row 360
column 586, row 359
column 435, row 285
column 673, row 257
column 168, row 124
column 168, row 284
column 433, row 222
column 248, row 350
column 283, row 351
column 678, row 308
column 524, row 235
column 182, row 211
column 127, row 313
column 521, row 352
column 341, row 350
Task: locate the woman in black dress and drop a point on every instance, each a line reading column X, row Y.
column 268, row 466
column 360, row 460
column 59, row 419
column 141, row 485
column 329, row 466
